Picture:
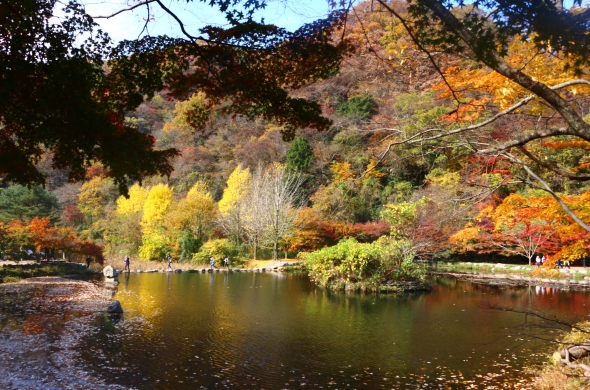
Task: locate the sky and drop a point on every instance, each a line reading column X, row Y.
column 290, row 14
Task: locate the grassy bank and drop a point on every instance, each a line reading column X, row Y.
column 10, row 273
column 574, row 273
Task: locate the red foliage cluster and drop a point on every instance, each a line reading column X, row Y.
column 72, row 216
column 317, row 233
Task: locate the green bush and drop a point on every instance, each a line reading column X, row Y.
column 10, row 279
column 154, row 247
column 372, row 264
column 189, row 245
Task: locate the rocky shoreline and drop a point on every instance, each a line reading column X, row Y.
column 42, row 324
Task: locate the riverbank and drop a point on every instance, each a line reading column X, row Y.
column 43, row 321
column 575, row 278
column 11, row 272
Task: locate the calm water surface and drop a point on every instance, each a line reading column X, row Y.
column 251, row 330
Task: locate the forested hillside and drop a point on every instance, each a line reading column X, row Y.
column 409, row 154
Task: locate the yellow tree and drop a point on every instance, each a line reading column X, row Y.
column 195, row 212
column 154, row 242
column 94, row 195
column 134, row 203
column 233, row 202
column 125, row 235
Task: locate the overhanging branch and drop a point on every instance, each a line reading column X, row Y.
column 545, row 187
column 130, row 8
column 553, row 168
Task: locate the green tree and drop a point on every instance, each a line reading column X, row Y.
column 189, row 245
column 299, row 156
column 26, row 203
column 360, row 107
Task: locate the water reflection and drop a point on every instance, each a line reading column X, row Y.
column 268, row 330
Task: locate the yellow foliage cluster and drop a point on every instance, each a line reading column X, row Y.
column 190, row 114
column 134, row 203
column 372, row 170
column 238, row 185
column 342, row 171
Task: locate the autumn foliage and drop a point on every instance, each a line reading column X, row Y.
column 536, row 224
column 39, row 236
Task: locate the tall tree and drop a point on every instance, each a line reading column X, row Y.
column 280, row 196
column 255, row 223
column 154, row 242
column 195, row 212
column 233, row 203
column 300, row 155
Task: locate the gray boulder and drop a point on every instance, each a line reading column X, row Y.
column 115, row 308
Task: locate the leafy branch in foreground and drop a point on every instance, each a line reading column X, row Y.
column 62, row 104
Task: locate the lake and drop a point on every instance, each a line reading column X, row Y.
column 271, row 330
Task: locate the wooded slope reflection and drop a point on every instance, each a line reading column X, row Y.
column 274, row 331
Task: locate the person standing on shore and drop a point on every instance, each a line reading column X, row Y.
column 127, row 262
column 226, row 262
column 169, row 258
column 212, row 262
column 88, row 260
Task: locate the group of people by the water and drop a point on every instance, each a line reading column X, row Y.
column 225, row 262
column 127, row 268
column 559, row 264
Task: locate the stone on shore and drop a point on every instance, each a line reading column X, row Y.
column 109, row 272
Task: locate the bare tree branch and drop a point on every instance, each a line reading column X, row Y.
column 493, row 60
column 130, row 8
column 177, row 20
column 522, row 140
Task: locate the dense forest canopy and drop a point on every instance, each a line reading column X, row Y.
column 451, row 128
